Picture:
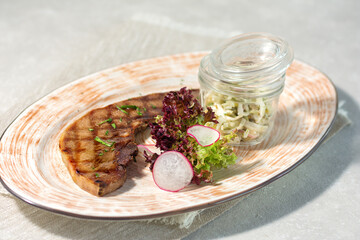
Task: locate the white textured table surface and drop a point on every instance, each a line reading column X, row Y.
column 45, row 44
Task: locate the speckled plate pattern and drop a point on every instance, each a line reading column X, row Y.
column 31, row 167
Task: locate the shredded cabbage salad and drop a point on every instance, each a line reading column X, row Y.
column 248, row 119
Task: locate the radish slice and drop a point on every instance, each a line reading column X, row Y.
column 172, row 171
column 205, row 136
column 150, row 149
column 143, row 148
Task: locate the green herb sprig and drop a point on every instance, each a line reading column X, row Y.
column 107, row 120
column 103, row 142
column 123, row 107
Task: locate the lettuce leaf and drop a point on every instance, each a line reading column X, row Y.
column 182, row 110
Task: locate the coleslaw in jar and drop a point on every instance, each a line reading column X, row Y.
column 241, row 81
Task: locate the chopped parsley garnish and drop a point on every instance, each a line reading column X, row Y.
column 100, row 154
column 103, row 142
column 113, row 125
column 144, row 109
column 91, row 129
column 120, row 119
column 105, row 150
column 121, row 109
column 107, row 132
column 153, row 106
column 129, row 107
column 96, row 175
column 112, row 149
column 107, row 120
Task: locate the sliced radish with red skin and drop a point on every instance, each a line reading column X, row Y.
column 149, row 148
column 142, row 148
column 205, row 136
column 172, row 171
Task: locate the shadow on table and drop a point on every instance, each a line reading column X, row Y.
column 295, row 189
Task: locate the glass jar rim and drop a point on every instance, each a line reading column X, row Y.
column 251, row 54
column 252, row 64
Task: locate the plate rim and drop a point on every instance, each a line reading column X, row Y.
column 182, row 210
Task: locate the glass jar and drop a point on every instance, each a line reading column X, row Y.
column 241, row 81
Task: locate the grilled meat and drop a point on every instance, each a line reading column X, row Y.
column 97, row 147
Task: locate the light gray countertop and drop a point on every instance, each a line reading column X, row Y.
column 320, row 199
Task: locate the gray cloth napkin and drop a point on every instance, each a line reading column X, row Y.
column 129, row 41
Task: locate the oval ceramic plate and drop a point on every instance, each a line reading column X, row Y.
column 31, row 167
